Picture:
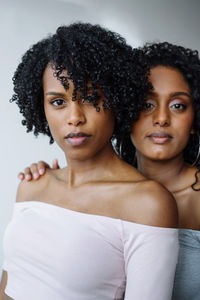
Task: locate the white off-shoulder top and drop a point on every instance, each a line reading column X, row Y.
column 54, row 253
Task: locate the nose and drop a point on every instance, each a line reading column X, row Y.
column 76, row 115
column 161, row 117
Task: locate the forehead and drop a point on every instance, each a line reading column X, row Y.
column 51, row 83
column 50, row 80
column 164, row 77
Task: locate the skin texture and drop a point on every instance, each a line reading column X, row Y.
column 3, row 283
column 81, row 116
column 168, row 110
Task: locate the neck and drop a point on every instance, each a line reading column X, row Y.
column 165, row 172
column 95, row 168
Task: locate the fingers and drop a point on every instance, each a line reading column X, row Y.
column 55, row 164
column 41, row 167
column 26, row 175
column 32, row 172
column 35, row 171
column 21, row 176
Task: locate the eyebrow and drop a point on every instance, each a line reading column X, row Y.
column 172, row 94
column 61, row 94
column 55, row 94
column 181, row 93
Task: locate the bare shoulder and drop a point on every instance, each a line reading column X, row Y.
column 149, row 203
column 32, row 190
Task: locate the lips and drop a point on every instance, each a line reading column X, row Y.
column 159, row 137
column 77, row 138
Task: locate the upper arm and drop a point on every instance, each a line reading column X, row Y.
column 3, row 285
column 21, row 191
column 25, row 191
column 151, row 260
column 31, row 190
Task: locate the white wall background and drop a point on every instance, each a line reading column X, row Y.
column 24, row 22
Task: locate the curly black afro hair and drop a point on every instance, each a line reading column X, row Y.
column 188, row 63
column 88, row 53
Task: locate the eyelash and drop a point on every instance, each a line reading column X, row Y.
column 60, row 102
column 147, row 103
column 56, row 101
column 181, row 106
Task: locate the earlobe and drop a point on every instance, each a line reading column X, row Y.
column 192, row 131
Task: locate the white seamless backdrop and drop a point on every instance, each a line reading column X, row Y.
column 23, row 23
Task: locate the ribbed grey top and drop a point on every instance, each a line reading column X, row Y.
column 187, row 277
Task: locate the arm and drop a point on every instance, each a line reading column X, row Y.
column 36, row 170
column 150, row 262
column 150, row 250
column 3, row 285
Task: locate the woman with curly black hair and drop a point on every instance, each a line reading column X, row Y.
column 164, row 145
column 96, row 229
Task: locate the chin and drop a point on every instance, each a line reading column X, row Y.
column 160, row 157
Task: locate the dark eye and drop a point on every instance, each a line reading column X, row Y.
column 178, row 106
column 148, row 106
column 57, row 102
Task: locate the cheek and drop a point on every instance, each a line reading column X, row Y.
column 105, row 123
column 110, row 120
column 186, row 119
column 184, row 126
column 184, row 136
column 139, row 128
column 110, row 124
column 53, row 124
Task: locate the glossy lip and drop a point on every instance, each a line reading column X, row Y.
column 77, row 138
column 159, row 137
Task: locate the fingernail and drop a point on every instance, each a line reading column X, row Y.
column 35, row 175
column 41, row 171
column 27, row 176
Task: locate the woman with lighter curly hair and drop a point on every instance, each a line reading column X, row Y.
column 96, row 229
